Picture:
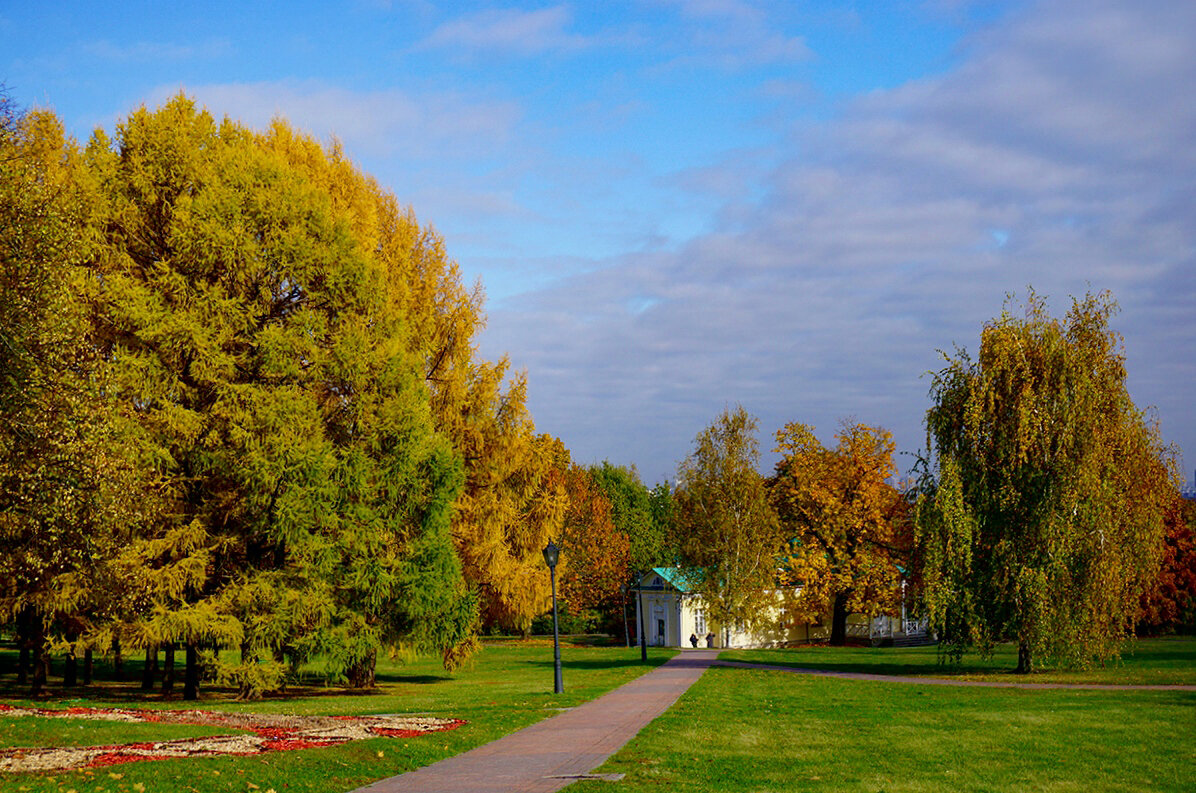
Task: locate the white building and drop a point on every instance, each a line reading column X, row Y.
column 670, row 611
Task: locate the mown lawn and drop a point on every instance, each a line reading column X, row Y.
column 746, row 730
column 1161, row 661
column 502, row 689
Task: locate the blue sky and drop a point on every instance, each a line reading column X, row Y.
column 679, row 206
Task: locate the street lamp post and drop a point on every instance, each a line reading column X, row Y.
column 551, row 554
column 626, row 631
column 639, row 610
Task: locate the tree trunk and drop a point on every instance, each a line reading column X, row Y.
column 168, row 669
column 41, row 659
column 839, row 620
column 70, row 669
column 87, row 666
column 1025, row 661
column 191, row 675
column 25, row 642
column 361, row 674
column 23, row 664
column 118, row 661
column 150, row 671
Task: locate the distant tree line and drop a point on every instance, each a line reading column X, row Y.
column 1046, row 511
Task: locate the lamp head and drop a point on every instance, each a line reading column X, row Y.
column 551, row 555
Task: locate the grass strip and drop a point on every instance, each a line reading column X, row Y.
column 1161, row 661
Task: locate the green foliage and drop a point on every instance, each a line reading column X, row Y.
column 66, row 489
column 640, row 514
column 304, row 497
column 725, row 525
column 1046, row 521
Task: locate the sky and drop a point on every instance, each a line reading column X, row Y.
column 678, row 207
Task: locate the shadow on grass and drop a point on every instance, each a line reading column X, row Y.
column 418, row 680
column 597, row 663
column 931, row 669
column 129, row 693
column 1144, row 657
column 923, row 663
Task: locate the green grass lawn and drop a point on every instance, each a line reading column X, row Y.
column 1167, row 660
column 502, row 689
column 746, row 730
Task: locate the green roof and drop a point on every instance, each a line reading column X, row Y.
column 683, row 580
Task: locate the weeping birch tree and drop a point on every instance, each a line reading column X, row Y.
column 726, row 529
column 1045, row 521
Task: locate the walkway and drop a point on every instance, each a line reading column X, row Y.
column 555, row 752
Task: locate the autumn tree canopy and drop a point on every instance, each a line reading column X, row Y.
column 263, row 365
column 847, row 526
column 1044, row 524
column 639, row 513
column 594, row 551
column 1169, row 602
column 66, row 491
column 726, row 529
column 244, row 408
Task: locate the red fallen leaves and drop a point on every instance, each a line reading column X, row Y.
column 287, row 744
column 119, row 755
column 393, row 733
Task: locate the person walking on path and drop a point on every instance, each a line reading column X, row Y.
column 558, row 751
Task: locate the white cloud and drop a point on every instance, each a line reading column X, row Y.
column 1071, row 130
column 385, row 123
column 158, row 51
column 731, row 35
column 508, row 31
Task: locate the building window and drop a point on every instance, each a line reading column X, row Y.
column 700, row 622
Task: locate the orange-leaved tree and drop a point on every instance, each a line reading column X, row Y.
column 848, row 526
column 1170, row 602
column 596, row 553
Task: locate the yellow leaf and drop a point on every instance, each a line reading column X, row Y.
column 115, row 775
column 381, row 754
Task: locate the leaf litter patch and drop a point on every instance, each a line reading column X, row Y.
column 267, row 733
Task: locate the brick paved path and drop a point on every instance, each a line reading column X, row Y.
column 555, row 752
